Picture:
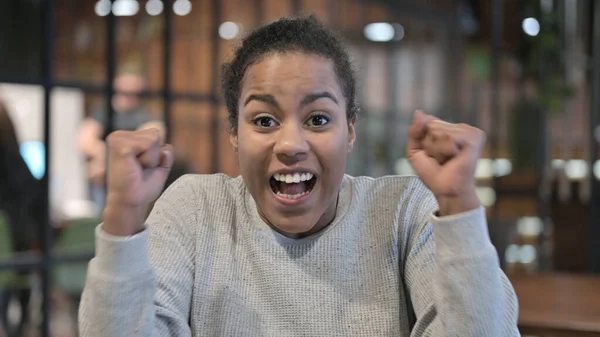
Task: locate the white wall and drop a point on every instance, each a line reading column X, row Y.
column 69, row 190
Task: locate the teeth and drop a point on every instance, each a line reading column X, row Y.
column 293, row 178
column 295, row 196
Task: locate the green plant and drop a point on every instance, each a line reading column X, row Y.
column 542, row 61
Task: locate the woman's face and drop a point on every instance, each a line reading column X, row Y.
column 292, row 140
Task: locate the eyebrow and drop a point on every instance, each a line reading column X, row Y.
column 269, row 99
column 313, row 97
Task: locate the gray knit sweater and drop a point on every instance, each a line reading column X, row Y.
column 207, row 265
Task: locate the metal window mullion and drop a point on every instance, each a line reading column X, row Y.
column 32, row 261
column 216, row 52
column 93, row 88
column 497, row 36
column 47, row 60
column 393, row 109
column 167, row 45
column 110, row 46
column 594, row 212
column 23, row 261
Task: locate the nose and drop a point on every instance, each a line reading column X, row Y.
column 291, row 145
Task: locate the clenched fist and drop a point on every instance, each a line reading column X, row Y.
column 138, row 166
column 444, row 156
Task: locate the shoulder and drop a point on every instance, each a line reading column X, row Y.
column 207, row 193
column 198, row 186
column 194, row 198
column 389, row 186
column 98, row 113
column 406, row 194
column 141, row 115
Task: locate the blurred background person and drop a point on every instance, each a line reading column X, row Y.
column 130, row 114
column 21, row 201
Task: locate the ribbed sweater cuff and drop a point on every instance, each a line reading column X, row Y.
column 462, row 235
column 122, row 256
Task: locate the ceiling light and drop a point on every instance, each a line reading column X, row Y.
column 403, row 167
column 486, row 195
column 398, row 31
column 229, row 30
column 527, row 254
column 558, row 164
column 531, row 26
column 379, row 32
column 502, row 167
column 125, row 7
column 484, row 169
column 154, row 7
column 102, row 8
column 182, row 7
column 531, row 226
column 576, row 169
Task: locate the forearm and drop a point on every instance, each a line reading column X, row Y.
column 471, row 296
column 140, row 285
column 118, row 299
column 475, row 297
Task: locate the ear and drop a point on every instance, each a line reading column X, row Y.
column 233, row 139
column 351, row 133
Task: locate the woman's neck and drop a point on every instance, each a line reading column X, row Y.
column 325, row 220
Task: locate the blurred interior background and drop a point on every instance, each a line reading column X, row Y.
column 525, row 71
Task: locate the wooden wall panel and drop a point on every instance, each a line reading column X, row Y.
column 191, row 67
column 275, row 9
column 180, row 64
column 377, row 13
column 153, row 65
column 80, row 41
column 240, row 11
column 516, row 207
column 349, row 12
column 191, row 134
column 319, row 8
column 438, row 5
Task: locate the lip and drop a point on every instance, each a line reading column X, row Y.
column 293, row 202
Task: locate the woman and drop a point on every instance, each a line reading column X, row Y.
column 22, row 201
column 294, row 246
column 20, row 193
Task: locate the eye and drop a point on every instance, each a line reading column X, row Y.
column 317, row 120
column 264, row 122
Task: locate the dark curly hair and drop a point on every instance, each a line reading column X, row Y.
column 304, row 34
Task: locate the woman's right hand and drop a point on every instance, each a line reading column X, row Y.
column 138, row 166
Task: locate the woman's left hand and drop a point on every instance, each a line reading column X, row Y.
column 444, row 156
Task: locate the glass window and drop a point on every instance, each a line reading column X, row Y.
column 80, row 43
column 20, row 40
column 192, row 134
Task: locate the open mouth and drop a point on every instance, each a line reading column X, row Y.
column 294, row 185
